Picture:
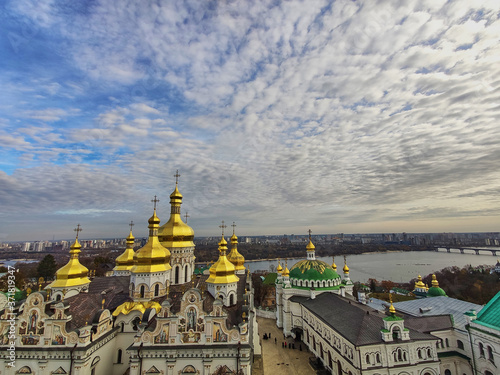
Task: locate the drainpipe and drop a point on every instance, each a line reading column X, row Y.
column 238, row 360
column 71, row 359
column 474, row 371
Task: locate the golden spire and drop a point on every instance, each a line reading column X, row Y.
column 334, row 266
column 176, row 233
column 40, row 282
column 435, row 283
column 234, row 256
column 222, row 271
column 392, row 310
column 346, row 269
column 125, row 261
column 279, row 270
column 152, row 257
column 310, row 245
column 73, row 273
column 419, row 283
column 286, row 272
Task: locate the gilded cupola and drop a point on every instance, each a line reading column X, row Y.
column 279, row 269
column 176, row 233
column 73, row 273
column 152, row 257
column 125, row 261
column 234, row 256
column 222, row 271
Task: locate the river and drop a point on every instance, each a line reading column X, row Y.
column 395, row 266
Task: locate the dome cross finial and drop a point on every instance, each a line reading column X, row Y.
column 78, row 229
column 155, row 201
column 186, row 216
column 310, row 232
column 222, row 226
column 234, row 226
column 131, row 224
column 177, row 175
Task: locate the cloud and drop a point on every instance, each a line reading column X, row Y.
column 330, row 113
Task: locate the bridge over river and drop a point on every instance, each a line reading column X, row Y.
column 463, row 250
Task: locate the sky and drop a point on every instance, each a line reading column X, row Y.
column 282, row 116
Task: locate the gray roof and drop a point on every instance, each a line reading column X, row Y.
column 358, row 323
column 441, row 305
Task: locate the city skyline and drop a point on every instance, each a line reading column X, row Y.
column 339, row 116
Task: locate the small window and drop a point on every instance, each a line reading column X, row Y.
column 460, row 344
column 481, row 349
column 447, row 342
column 119, row 356
column 157, row 290
column 490, row 354
column 447, row 372
column 367, row 359
column 143, row 291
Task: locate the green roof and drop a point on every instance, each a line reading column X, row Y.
column 435, row 291
column 270, row 279
column 490, row 314
column 313, row 270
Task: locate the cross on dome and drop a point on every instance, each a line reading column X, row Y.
column 177, row 175
column 154, row 201
column 234, row 226
column 310, row 231
column 186, row 216
column 222, row 226
column 78, row 229
column 131, row 225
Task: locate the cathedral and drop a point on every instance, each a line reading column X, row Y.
column 152, row 316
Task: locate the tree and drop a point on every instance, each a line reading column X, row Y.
column 47, row 267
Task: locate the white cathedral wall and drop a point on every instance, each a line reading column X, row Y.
column 488, row 337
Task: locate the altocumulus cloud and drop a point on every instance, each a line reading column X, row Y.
column 336, row 115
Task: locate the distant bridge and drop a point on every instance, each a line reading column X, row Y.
column 463, row 249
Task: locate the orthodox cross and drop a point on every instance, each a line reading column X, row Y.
column 345, row 260
column 309, row 231
column 155, row 201
column 78, row 229
column 234, row 226
column 177, row 175
column 222, row 226
column 186, row 216
column 131, row 225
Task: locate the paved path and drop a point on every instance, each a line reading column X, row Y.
column 278, row 360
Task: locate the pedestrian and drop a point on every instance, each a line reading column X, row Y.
column 269, row 334
column 285, row 344
column 275, row 341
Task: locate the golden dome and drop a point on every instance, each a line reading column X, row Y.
column 279, row 269
column 125, row 261
column 176, row 233
column 152, row 257
column 73, row 273
column 392, row 310
column 234, row 256
column 419, row 283
column 310, row 246
column 434, row 281
column 286, row 272
column 222, row 271
column 334, row 266
column 345, row 269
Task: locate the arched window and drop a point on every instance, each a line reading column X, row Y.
column 58, row 297
column 368, row 358
column 339, row 367
column 177, row 274
column 143, row 291
column 321, row 350
column 481, row 349
column 447, row 372
column 377, row 357
column 487, row 373
column 490, row 354
column 419, row 351
column 395, row 333
column 119, row 356
column 429, row 354
column 157, row 290
column 231, row 299
column 460, row 344
column 447, row 342
column 186, row 273
column 314, row 343
column 122, row 326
